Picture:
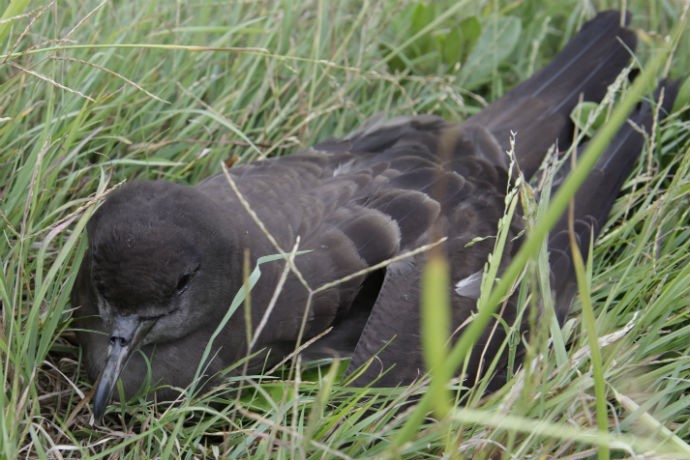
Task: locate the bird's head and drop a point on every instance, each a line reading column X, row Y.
column 160, row 264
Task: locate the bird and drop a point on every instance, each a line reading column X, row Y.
column 338, row 232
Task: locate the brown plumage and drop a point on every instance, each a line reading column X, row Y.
column 165, row 260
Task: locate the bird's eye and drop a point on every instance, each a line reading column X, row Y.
column 184, row 280
column 183, row 283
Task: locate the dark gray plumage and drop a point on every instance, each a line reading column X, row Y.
column 165, row 260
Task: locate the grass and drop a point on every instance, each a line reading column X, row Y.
column 92, row 94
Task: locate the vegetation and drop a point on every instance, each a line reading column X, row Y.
column 95, row 93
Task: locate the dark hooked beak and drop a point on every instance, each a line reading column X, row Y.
column 125, row 336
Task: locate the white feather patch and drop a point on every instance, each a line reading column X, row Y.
column 343, row 168
column 470, row 286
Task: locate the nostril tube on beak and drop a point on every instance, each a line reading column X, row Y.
column 118, row 341
column 124, row 328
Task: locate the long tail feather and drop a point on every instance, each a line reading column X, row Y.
column 595, row 198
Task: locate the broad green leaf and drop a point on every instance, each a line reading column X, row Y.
column 496, row 42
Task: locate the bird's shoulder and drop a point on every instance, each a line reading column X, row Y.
column 376, row 191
